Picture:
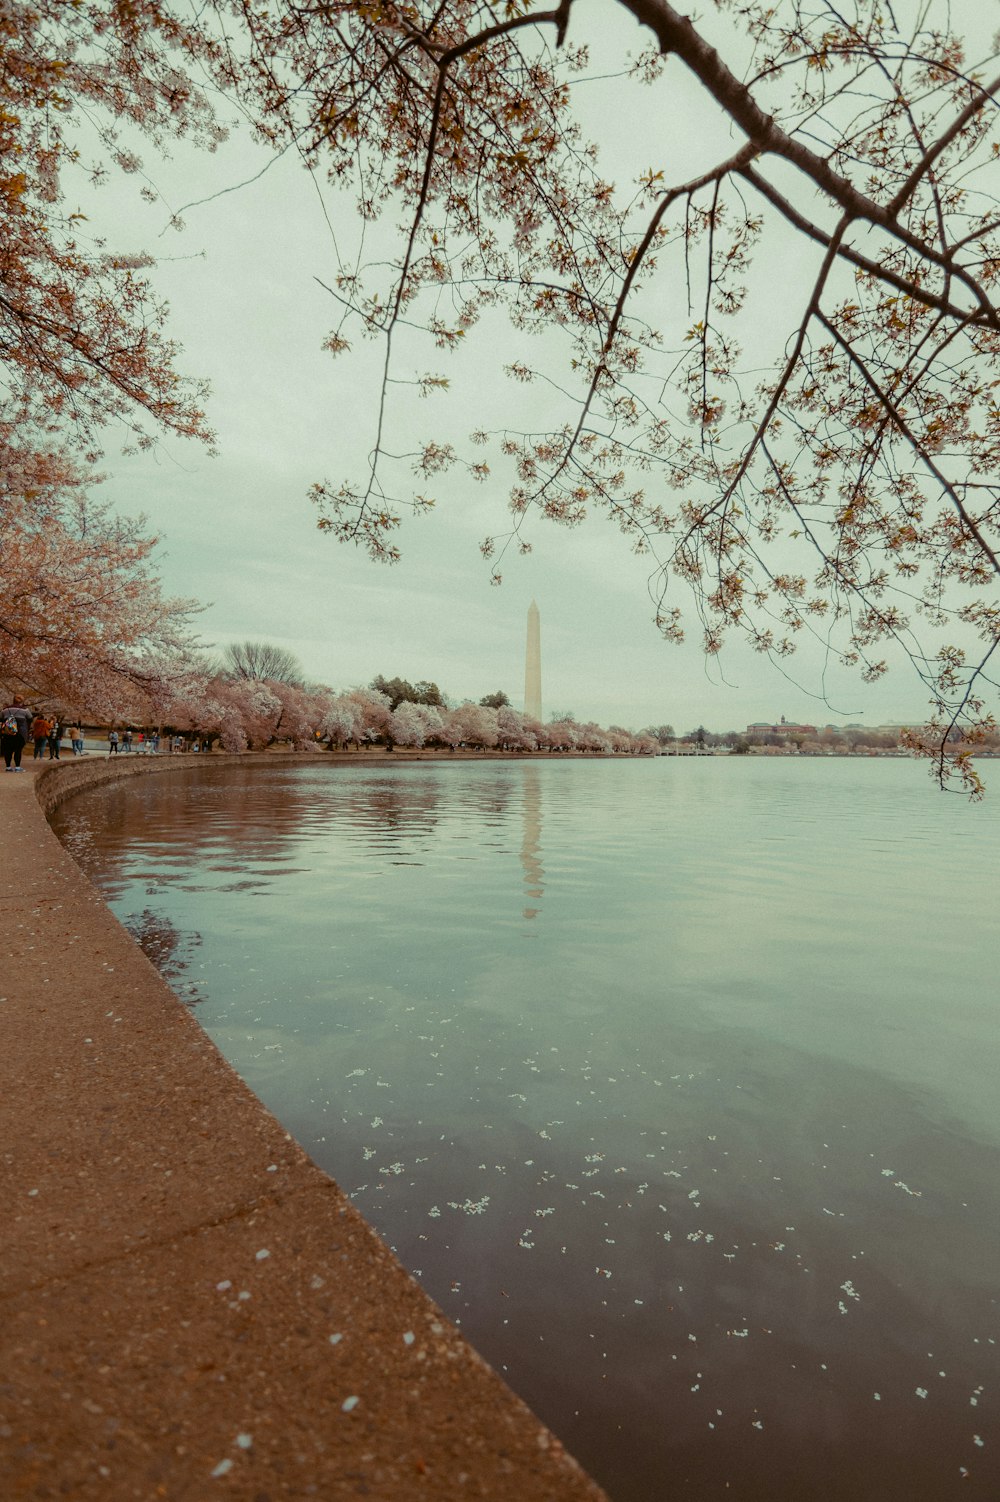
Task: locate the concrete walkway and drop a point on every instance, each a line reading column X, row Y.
column 189, row 1307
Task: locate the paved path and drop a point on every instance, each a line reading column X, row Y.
column 189, row 1307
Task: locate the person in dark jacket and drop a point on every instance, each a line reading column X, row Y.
column 15, row 732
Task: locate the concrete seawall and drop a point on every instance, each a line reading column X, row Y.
column 189, row 1306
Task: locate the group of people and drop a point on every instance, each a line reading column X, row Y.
column 48, row 732
column 124, row 742
column 19, row 725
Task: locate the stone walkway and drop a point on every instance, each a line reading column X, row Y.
column 189, row 1307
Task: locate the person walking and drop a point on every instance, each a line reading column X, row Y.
column 40, row 730
column 112, row 742
column 127, row 740
column 56, row 733
column 15, row 732
column 76, row 739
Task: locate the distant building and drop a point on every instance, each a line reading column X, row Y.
column 784, row 727
column 896, row 730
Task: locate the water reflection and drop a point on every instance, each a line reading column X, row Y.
column 399, row 814
column 531, row 838
column 171, row 951
column 714, row 1187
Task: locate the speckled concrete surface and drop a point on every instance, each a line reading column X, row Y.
column 189, row 1307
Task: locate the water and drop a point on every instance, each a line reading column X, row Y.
column 674, row 1082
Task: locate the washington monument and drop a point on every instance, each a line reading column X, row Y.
column 533, row 666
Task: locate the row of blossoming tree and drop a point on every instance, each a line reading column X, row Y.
column 365, row 715
column 241, row 714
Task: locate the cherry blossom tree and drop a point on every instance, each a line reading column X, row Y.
column 414, row 724
column 82, row 616
column 260, row 710
column 232, row 734
column 471, row 725
column 373, row 713
column 514, row 730
column 361, row 715
column 452, row 731
column 199, row 704
column 590, row 737
column 242, row 715
column 83, row 345
column 339, row 725
column 301, row 712
column 562, row 735
column 621, row 740
column 82, row 338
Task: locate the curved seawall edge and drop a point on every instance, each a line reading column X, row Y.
column 189, row 1303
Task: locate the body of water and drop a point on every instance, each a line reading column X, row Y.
column 675, row 1081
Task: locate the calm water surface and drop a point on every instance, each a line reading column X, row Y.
column 675, row 1082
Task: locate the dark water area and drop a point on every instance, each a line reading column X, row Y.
column 674, row 1082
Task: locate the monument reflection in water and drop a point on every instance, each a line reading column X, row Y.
column 673, row 1081
column 531, row 842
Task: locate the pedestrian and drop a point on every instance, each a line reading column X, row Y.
column 15, row 732
column 154, row 741
column 56, row 733
column 40, row 731
column 76, row 739
column 127, row 741
column 112, row 742
column 140, row 743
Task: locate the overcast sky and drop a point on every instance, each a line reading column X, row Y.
column 239, row 533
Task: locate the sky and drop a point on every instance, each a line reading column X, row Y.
column 247, row 308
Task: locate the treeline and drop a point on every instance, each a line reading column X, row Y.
column 840, row 741
column 829, row 741
column 256, row 697
column 850, row 740
column 368, row 715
